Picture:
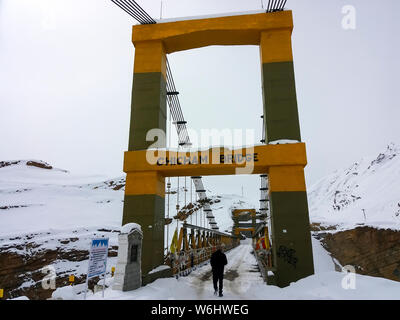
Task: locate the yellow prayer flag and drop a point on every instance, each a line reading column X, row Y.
column 174, row 242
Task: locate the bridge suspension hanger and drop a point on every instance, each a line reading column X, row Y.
column 191, row 201
column 177, row 201
column 168, row 180
column 185, row 191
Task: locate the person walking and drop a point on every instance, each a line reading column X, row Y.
column 218, row 262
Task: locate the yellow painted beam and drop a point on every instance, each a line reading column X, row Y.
column 236, row 212
column 197, row 33
column 286, row 179
column 141, row 183
column 244, row 229
column 257, row 161
column 150, row 56
column 276, row 46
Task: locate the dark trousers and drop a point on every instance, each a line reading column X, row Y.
column 218, row 276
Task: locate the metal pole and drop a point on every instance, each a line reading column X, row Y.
column 204, row 218
column 87, row 275
column 86, row 287
column 169, row 179
column 197, row 212
column 104, row 279
column 177, row 200
column 191, row 200
column 169, row 191
column 177, row 195
column 177, row 192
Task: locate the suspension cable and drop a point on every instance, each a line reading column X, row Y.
column 276, row 5
column 177, row 197
column 185, row 191
column 135, row 11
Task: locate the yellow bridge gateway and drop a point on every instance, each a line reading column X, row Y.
column 283, row 163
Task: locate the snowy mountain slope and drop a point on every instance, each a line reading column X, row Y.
column 367, row 192
column 41, row 202
column 49, row 215
column 35, row 198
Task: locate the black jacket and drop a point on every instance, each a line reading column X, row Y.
column 218, row 261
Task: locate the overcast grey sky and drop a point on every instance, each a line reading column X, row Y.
column 66, row 75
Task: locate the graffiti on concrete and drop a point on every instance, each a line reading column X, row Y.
column 288, row 255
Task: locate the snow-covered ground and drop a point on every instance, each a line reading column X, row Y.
column 243, row 282
column 49, row 205
column 366, row 193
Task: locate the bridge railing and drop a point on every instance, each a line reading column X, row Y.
column 264, row 260
column 184, row 262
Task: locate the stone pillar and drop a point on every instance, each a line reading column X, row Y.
column 128, row 274
column 145, row 192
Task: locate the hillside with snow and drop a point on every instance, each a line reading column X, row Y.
column 366, row 193
column 37, row 198
column 49, row 215
column 45, row 198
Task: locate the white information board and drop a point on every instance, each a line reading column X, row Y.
column 98, row 257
